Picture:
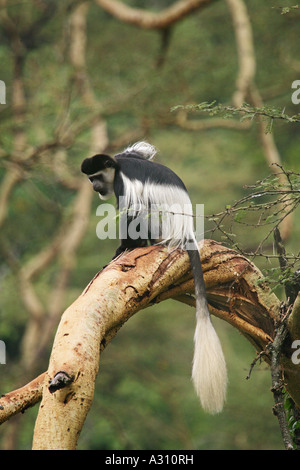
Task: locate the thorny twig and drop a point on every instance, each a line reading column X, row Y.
column 277, row 378
column 245, row 110
column 257, row 358
column 272, row 202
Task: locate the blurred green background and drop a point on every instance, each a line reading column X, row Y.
column 144, row 397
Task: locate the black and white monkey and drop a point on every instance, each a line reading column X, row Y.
column 139, row 184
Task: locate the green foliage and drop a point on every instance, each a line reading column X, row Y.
column 268, row 113
column 144, row 397
column 264, row 208
column 285, row 10
column 293, row 419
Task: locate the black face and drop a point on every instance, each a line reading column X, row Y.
column 100, row 170
column 99, row 184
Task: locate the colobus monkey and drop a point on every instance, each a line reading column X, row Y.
column 139, row 184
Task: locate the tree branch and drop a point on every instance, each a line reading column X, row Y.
column 245, row 86
column 21, row 399
column 245, row 49
column 275, row 348
column 149, row 20
column 236, row 291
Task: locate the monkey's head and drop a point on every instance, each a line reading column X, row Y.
column 100, row 170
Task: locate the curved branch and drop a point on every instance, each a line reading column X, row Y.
column 245, row 49
column 130, row 283
column 245, row 87
column 236, row 291
column 149, row 20
column 21, row 399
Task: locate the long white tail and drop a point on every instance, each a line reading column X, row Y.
column 209, row 372
column 209, row 369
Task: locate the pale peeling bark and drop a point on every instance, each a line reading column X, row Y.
column 115, row 294
column 19, row 400
column 237, row 293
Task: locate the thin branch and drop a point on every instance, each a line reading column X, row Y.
column 275, row 348
column 258, row 357
column 21, row 399
column 181, row 120
column 273, row 352
column 245, row 109
column 115, row 294
column 245, row 50
column 150, row 20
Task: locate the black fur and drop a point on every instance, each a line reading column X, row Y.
column 135, row 167
column 97, row 163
